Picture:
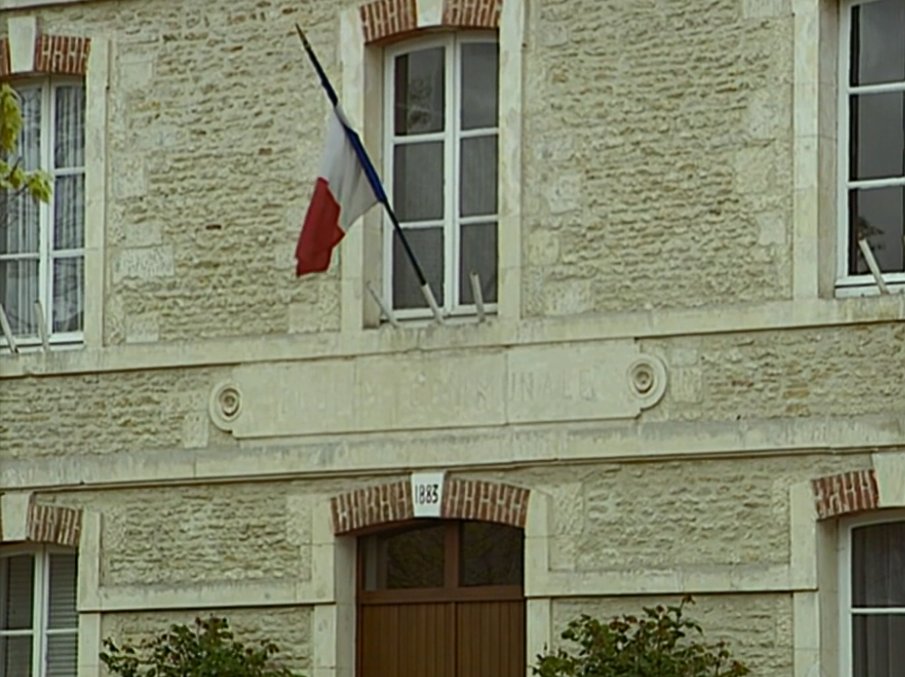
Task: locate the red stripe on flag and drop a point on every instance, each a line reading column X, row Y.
column 320, row 231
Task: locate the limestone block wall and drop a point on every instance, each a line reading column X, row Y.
column 658, row 160
column 758, row 628
column 804, row 373
column 289, row 629
column 104, row 413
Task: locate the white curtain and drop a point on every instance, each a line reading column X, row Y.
column 68, row 209
column 878, row 582
column 20, row 228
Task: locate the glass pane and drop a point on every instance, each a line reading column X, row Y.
column 427, row 243
column 491, row 554
column 15, row 656
column 18, row 293
column 68, row 294
column 877, row 215
column 877, row 137
column 62, row 655
column 877, row 48
column 420, row 100
column 69, row 118
column 16, row 585
column 19, row 230
column 478, row 176
column 29, row 147
column 418, row 181
column 62, row 604
column 480, row 73
column 478, row 255
column 69, row 212
column 877, row 646
column 878, row 565
column 407, row 559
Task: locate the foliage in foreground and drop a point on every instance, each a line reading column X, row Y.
column 207, row 650
column 660, row 643
column 12, row 175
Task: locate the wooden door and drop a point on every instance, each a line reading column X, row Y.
column 441, row 599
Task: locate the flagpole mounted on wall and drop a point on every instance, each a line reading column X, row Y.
column 325, row 236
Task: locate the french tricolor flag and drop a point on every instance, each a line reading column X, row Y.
column 345, row 189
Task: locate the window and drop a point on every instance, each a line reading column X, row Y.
column 873, row 593
column 441, row 155
column 42, row 246
column 38, row 617
column 872, row 140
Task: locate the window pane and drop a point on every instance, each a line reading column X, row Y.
column 69, row 212
column 62, row 655
column 29, row 147
column 480, row 73
column 427, row 243
column 19, row 230
column 69, row 118
column 491, row 554
column 478, row 176
column 878, row 51
column 419, row 99
column 479, row 255
column 878, row 565
column 877, row 137
column 877, row 646
column 62, row 603
column 16, row 585
column 68, row 294
column 418, row 181
column 18, row 293
column 408, row 559
column 15, row 656
column 877, row 215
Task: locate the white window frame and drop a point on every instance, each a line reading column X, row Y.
column 46, row 254
column 40, row 602
column 451, row 136
column 845, row 582
column 847, row 284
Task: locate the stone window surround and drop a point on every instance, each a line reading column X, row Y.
column 817, row 220
column 24, row 520
column 27, row 52
column 362, row 31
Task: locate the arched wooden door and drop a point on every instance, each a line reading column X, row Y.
column 441, row 599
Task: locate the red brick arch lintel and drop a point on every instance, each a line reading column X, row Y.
column 845, row 493
column 381, row 19
column 54, row 55
column 462, row 499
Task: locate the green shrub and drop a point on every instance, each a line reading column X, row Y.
column 660, row 643
column 207, row 650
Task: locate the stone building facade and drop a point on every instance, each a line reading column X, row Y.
column 679, row 388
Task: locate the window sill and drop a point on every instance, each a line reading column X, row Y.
column 865, row 289
column 33, row 345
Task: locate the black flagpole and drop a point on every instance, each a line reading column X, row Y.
column 372, row 176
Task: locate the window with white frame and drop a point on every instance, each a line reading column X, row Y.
column 38, row 616
column 441, row 123
column 872, row 140
column 872, row 589
column 42, row 246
